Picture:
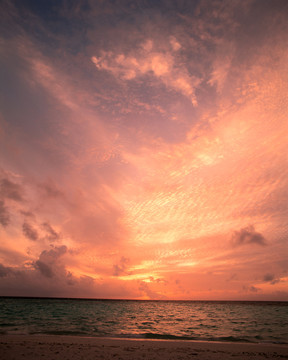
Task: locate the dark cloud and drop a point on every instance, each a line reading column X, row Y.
column 51, row 190
column 48, row 264
column 51, row 234
column 4, row 271
column 4, row 214
column 271, row 278
column 248, row 235
column 70, row 279
column 27, row 213
column 44, row 269
column 29, row 231
column 11, row 190
column 232, row 277
column 121, row 268
column 54, row 253
column 268, row 277
column 251, row 289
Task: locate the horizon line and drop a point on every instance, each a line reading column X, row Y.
column 140, row 300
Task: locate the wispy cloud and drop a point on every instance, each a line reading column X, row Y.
column 29, row 231
column 51, row 234
column 11, row 190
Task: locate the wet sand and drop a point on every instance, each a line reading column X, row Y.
column 69, row 348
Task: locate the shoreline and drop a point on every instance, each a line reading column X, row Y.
column 77, row 347
column 87, row 337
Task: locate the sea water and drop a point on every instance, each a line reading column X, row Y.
column 190, row 320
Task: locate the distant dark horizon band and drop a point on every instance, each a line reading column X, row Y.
column 144, row 300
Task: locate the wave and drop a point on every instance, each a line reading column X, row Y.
column 206, row 339
column 196, row 321
column 154, row 336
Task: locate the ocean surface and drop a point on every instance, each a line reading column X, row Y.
column 187, row 320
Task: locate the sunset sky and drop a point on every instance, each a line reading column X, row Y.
column 144, row 149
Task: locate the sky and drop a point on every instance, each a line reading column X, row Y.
column 143, row 149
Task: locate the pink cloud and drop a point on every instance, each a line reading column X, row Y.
column 147, row 59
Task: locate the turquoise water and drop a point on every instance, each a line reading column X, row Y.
column 193, row 320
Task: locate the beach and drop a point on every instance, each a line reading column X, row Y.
column 14, row 347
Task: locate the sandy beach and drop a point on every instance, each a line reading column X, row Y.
column 67, row 347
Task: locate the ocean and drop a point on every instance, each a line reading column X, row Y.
column 187, row 320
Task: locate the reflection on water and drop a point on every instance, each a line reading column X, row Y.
column 199, row 320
